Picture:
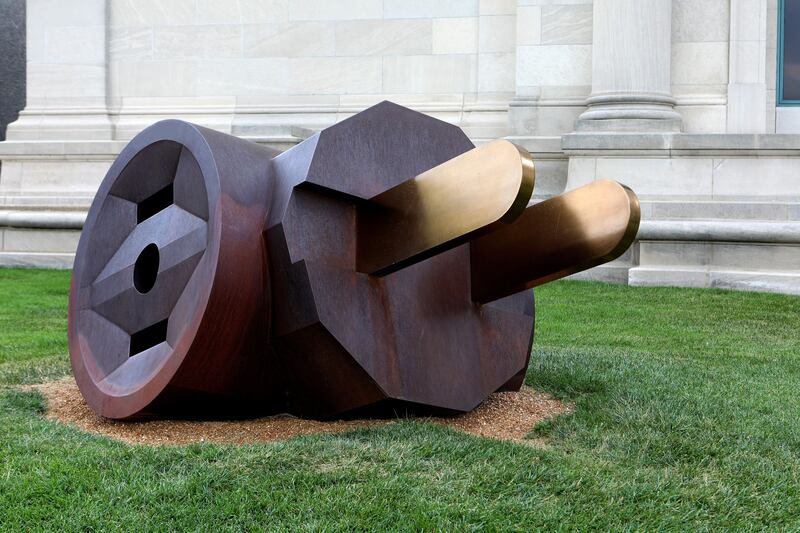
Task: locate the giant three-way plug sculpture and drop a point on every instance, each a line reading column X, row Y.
column 383, row 263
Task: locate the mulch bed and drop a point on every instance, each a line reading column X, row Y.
column 504, row 415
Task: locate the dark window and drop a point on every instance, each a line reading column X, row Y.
column 789, row 53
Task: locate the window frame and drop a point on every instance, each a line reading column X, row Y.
column 779, row 100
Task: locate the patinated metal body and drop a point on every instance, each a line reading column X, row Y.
column 379, row 265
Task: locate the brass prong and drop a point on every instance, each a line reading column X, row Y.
column 568, row 233
column 444, row 206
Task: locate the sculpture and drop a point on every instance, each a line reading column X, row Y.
column 382, row 263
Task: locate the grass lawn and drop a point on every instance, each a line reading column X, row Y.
column 688, row 417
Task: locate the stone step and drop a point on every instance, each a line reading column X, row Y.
column 736, row 255
column 720, row 210
column 786, row 282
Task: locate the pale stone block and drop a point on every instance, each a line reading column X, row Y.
column 36, row 43
column 288, row 39
column 761, row 281
column 497, row 34
column 693, row 21
column 152, row 12
column 566, row 24
column 11, row 177
column 751, row 256
column 497, row 7
column 699, row 63
column 496, row 72
column 332, row 75
column 771, row 30
column 608, row 273
column 670, row 253
column 76, row 44
column 719, row 210
column 217, row 77
column 662, row 276
column 787, row 120
column 553, row 2
column 49, row 80
column 181, row 42
column 37, row 260
column 339, row 10
column 54, row 177
column 703, row 118
column 154, row 78
column 660, row 176
column 747, row 108
column 554, row 65
column 773, row 177
column 429, row 74
column 429, row 9
column 482, row 123
column 130, row 43
column 383, row 37
column 551, row 177
column 581, row 171
column 746, row 62
column 91, row 123
column 529, row 25
column 771, row 119
column 771, row 73
column 54, row 13
column 241, row 11
column 35, row 240
column 455, row 35
column 747, row 20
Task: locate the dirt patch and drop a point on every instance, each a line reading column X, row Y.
column 504, row 415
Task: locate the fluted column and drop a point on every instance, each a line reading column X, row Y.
column 631, row 68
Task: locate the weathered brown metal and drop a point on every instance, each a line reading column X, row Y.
column 214, row 277
column 181, row 330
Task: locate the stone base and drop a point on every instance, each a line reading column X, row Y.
column 787, row 282
column 61, row 261
column 717, row 210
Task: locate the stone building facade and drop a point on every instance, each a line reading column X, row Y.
column 676, row 98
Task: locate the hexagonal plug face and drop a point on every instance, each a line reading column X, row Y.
column 347, row 339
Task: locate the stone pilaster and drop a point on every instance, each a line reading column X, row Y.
column 66, row 72
column 631, row 68
column 747, row 85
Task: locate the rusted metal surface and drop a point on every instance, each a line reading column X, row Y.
column 217, row 278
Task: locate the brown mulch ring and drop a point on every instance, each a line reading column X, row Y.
column 504, row 415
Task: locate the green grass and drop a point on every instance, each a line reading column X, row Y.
column 688, row 417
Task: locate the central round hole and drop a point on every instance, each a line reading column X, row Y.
column 145, row 270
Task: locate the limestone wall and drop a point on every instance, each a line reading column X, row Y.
column 103, row 69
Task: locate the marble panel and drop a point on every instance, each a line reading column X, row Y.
column 384, row 37
column 455, row 35
column 429, row 74
column 570, row 24
column 289, row 39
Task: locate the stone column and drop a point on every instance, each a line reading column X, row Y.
column 66, row 72
column 631, row 68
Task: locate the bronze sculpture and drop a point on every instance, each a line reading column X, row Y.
column 380, row 264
